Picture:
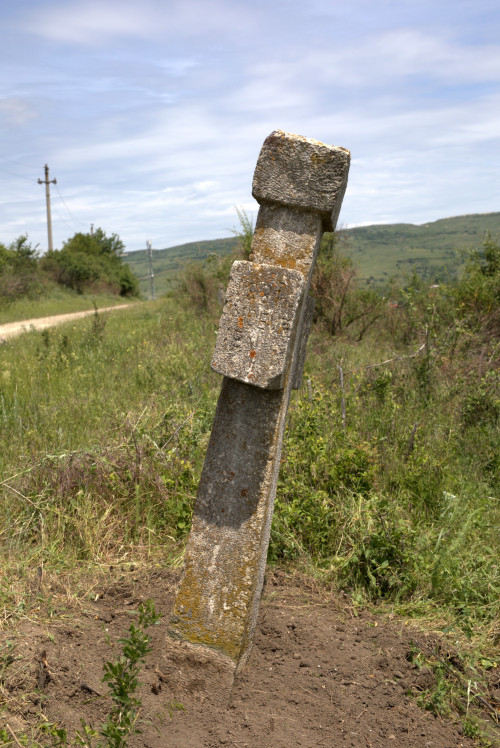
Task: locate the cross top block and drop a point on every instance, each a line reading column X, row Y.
column 302, row 173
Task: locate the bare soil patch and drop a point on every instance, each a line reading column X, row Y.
column 318, row 674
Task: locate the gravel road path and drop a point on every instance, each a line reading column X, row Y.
column 11, row 329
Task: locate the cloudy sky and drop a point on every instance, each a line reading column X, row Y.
column 151, row 114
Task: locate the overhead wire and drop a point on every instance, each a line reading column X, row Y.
column 21, row 163
column 18, row 176
column 75, row 221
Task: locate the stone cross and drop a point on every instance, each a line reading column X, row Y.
column 299, row 184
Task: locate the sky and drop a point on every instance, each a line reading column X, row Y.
column 151, row 114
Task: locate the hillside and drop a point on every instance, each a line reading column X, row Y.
column 167, row 262
column 433, row 250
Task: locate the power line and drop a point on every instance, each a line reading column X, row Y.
column 12, row 174
column 21, row 163
column 75, row 221
column 61, row 216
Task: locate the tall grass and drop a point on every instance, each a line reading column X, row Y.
column 105, row 423
column 56, row 300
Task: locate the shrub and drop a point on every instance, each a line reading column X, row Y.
column 92, row 261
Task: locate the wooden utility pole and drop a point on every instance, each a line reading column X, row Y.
column 47, row 182
column 152, row 291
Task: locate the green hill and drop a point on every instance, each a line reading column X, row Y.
column 433, row 250
column 167, row 262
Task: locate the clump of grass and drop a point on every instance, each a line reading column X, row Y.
column 380, row 519
column 459, row 690
column 104, row 432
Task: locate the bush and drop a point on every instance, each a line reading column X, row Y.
column 19, row 271
column 92, row 262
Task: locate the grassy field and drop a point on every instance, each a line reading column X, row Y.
column 433, row 250
column 57, row 301
column 389, row 487
column 107, row 420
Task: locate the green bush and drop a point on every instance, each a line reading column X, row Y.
column 91, row 261
column 19, row 271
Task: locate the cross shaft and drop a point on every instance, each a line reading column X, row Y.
column 299, row 184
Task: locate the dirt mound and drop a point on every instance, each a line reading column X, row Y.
column 318, row 675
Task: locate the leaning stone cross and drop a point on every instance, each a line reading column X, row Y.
column 299, row 184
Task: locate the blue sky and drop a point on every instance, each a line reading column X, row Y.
column 151, row 114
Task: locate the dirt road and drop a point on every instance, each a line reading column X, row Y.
column 11, row 329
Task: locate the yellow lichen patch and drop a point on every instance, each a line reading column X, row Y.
column 319, row 159
column 188, row 621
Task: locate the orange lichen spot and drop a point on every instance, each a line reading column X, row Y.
column 253, row 354
column 244, row 491
column 240, row 322
column 261, row 293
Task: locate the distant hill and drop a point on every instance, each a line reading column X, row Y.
column 168, row 262
column 433, row 250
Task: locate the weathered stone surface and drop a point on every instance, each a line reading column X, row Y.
column 258, row 324
column 300, row 184
column 301, row 172
column 225, row 556
column 286, row 237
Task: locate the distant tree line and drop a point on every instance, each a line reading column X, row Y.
column 86, row 263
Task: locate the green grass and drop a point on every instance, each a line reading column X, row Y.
column 105, row 422
column 104, row 425
column 57, row 301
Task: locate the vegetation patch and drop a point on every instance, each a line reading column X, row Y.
column 389, row 487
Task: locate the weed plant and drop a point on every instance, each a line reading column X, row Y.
column 122, row 679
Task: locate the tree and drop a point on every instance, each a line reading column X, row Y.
column 92, row 262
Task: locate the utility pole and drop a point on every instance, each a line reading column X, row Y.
column 47, row 182
column 152, row 292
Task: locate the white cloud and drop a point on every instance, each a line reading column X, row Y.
column 151, row 115
column 16, row 112
column 96, row 22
